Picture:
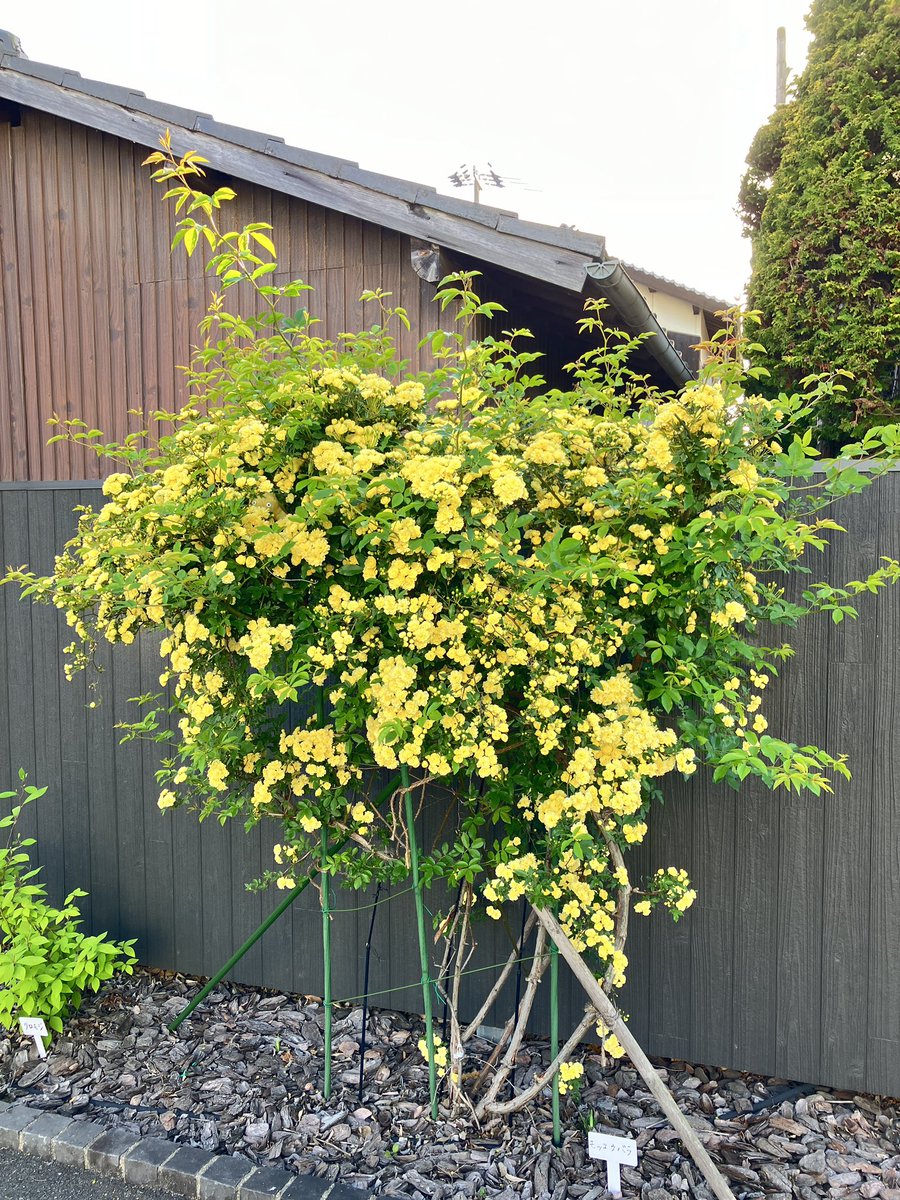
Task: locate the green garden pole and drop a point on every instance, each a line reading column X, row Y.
column 554, row 1036
column 423, row 940
column 266, row 925
column 326, row 922
column 239, row 954
column 326, row 961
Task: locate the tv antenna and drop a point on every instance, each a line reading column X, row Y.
column 471, row 175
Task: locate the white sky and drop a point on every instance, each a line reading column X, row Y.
column 626, row 119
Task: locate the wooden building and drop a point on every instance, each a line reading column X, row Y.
column 98, row 313
column 789, row 964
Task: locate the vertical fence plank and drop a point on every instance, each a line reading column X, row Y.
column 847, row 848
column 247, row 908
column 73, row 741
column 45, row 714
column 19, row 689
column 101, row 779
column 712, row 919
column 883, row 1049
column 757, row 857
column 635, row 999
column 217, row 893
column 671, row 944
column 796, row 708
column 190, row 919
column 7, row 599
column 128, row 764
column 158, row 828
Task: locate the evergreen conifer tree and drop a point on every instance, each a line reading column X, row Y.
column 821, row 203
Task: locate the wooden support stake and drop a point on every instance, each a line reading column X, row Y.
column 613, row 1021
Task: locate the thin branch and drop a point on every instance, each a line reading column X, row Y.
column 514, row 956
column 517, row 1102
column 623, row 907
column 534, row 977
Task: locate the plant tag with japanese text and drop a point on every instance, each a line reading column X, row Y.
column 616, row 1151
column 34, row 1027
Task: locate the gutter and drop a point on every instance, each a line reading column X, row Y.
column 614, row 285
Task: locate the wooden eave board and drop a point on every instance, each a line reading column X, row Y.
column 553, row 264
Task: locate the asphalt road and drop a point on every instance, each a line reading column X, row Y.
column 25, row 1178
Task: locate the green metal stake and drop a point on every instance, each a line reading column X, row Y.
column 239, row 954
column 326, row 922
column 423, row 941
column 326, row 956
column 554, row 1036
column 266, row 925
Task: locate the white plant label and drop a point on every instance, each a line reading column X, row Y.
column 615, row 1151
column 34, row 1027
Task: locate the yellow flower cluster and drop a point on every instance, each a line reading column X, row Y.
column 262, row 639
column 569, row 1073
column 611, row 1043
column 582, row 889
column 673, row 886
column 441, row 1054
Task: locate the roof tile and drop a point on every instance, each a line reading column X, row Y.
column 103, row 91
column 457, row 207
column 173, row 114
column 404, row 189
column 251, row 139
column 298, row 157
column 39, row 70
column 557, row 235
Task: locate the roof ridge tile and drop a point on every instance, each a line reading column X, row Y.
column 38, row 70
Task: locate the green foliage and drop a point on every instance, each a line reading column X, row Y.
column 821, row 203
column 46, row 963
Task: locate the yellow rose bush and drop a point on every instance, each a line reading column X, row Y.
column 542, row 600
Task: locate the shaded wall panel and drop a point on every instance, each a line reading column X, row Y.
column 789, row 963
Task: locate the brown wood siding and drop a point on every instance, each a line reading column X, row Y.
column 98, row 313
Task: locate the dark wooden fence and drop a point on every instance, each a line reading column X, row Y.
column 788, row 964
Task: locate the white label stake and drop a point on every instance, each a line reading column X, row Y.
column 616, row 1151
column 34, row 1027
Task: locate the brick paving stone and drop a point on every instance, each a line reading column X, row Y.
column 141, row 1163
column 69, row 1147
column 264, row 1183
column 12, row 1122
column 180, row 1173
column 345, row 1191
column 307, row 1187
column 37, row 1139
column 105, row 1155
column 222, row 1179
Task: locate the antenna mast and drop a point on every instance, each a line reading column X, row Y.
column 781, row 71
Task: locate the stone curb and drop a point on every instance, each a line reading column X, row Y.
column 154, row 1162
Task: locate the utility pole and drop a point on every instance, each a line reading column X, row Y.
column 781, row 71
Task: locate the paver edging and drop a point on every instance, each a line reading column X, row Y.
column 151, row 1162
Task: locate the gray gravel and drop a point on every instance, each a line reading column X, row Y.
column 25, row 1178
